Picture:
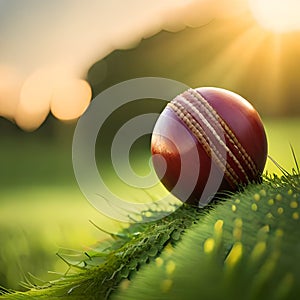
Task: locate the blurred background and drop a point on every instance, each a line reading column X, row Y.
column 55, row 57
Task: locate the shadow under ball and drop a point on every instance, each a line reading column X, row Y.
column 208, row 140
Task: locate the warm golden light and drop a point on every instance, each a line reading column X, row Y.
column 95, row 34
column 34, row 100
column 10, row 85
column 70, row 99
column 51, row 89
column 277, row 15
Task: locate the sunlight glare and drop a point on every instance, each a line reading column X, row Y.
column 276, row 15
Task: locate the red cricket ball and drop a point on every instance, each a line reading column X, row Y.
column 207, row 140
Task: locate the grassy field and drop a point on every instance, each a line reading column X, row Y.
column 281, row 134
column 42, row 208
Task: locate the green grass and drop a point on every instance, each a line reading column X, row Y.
column 36, row 223
column 42, row 208
column 281, row 134
column 246, row 246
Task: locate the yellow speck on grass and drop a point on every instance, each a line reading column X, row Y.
column 265, row 229
column 148, row 214
column 280, row 210
column 170, row 267
column 209, row 245
column 124, row 284
column 235, row 254
column 256, row 197
column 238, row 222
column 294, row 204
column 233, row 208
column 296, row 216
column 169, row 249
column 263, row 193
column 254, row 207
column 237, row 231
column 271, row 201
column 166, row 285
column 279, row 232
column 258, row 250
column 278, row 197
column 219, row 225
column 159, row 261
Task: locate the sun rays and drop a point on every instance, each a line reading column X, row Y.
column 251, row 60
column 276, row 15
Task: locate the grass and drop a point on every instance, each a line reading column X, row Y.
column 281, row 134
column 42, row 209
column 244, row 246
column 32, row 231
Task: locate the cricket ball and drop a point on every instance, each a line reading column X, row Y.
column 208, row 140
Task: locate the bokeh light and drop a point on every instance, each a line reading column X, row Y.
column 34, row 102
column 73, row 36
column 70, row 99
